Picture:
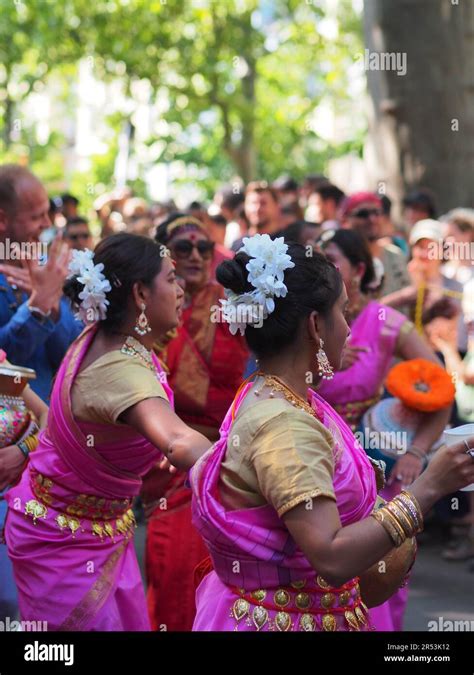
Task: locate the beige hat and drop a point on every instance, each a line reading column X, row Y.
column 426, row 229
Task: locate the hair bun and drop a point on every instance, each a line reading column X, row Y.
column 233, row 275
column 71, row 289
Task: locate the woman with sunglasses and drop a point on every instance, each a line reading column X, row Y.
column 206, row 364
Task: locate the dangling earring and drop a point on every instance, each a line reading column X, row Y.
column 325, row 370
column 142, row 327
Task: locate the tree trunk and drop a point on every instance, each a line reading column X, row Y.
column 422, row 124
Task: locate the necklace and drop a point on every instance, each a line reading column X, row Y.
column 132, row 347
column 278, row 385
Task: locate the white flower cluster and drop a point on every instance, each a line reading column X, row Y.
column 269, row 260
column 93, row 306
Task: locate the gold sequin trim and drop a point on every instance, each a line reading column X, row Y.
column 303, row 497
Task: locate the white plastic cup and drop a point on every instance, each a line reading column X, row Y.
column 458, row 435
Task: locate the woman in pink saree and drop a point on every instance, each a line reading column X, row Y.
column 285, row 499
column 379, row 334
column 70, row 525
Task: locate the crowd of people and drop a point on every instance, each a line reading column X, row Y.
column 165, row 394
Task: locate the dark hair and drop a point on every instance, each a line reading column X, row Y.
column 261, row 186
column 230, row 198
column 313, row 284
column 314, row 180
column 218, row 219
column 422, row 198
column 162, row 236
column 386, row 204
column 67, row 198
column 127, row 258
column 195, row 206
column 330, row 191
column 294, row 232
column 77, row 220
column 356, row 249
column 285, row 184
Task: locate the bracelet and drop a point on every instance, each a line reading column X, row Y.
column 412, row 505
column 31, row 442
column 22, row 446
column 414, row 450
column 395, row 524
column 404, row 520
column 415, row 526
column 36, row 310
column 383, row 517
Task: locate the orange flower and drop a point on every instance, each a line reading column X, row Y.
column 421, row 385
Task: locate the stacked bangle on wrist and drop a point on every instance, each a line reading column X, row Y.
column 402, row 518
column 28, row 444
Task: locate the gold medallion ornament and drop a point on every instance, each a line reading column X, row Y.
column 35, row 509
column 281, row 598
column 298, row 584
column 351, row 620
column 283, row 621
column 259, row 595
column 240, row 609
column 98, row 529
column 307, row 623
column 259, row 617
column 344, row 598
column 328, row 600
column 303, row 601
column 329, row 623
column 321, row 583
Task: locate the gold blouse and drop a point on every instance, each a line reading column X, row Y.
column 111, row 384
column 276, row 454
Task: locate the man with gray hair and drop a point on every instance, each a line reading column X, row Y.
column 36, row 322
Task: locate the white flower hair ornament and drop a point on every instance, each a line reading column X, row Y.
column 269, row 260
column 93, row 305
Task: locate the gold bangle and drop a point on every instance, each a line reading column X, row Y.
column 404, row 508
column 396, row 523
column 31, row 442
column 388, row 527
column 406, row 523
column 413, row 506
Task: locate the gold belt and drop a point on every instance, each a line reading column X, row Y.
column 116, row 515
column 297, row 606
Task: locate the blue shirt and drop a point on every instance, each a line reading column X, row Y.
column 31, row 343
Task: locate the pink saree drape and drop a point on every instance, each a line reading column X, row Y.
column 253, row 552
column 377, row 327
column 69, row 528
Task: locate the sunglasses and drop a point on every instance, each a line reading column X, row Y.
column 366, row 213
column 183, row 248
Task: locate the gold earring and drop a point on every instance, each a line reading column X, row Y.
column 142, row 327
column 325, row 370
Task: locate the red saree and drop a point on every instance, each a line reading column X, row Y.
column 206, row 365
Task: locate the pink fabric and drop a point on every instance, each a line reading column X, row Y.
column 55, row 571
column 256, row 537
column 376, row 327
